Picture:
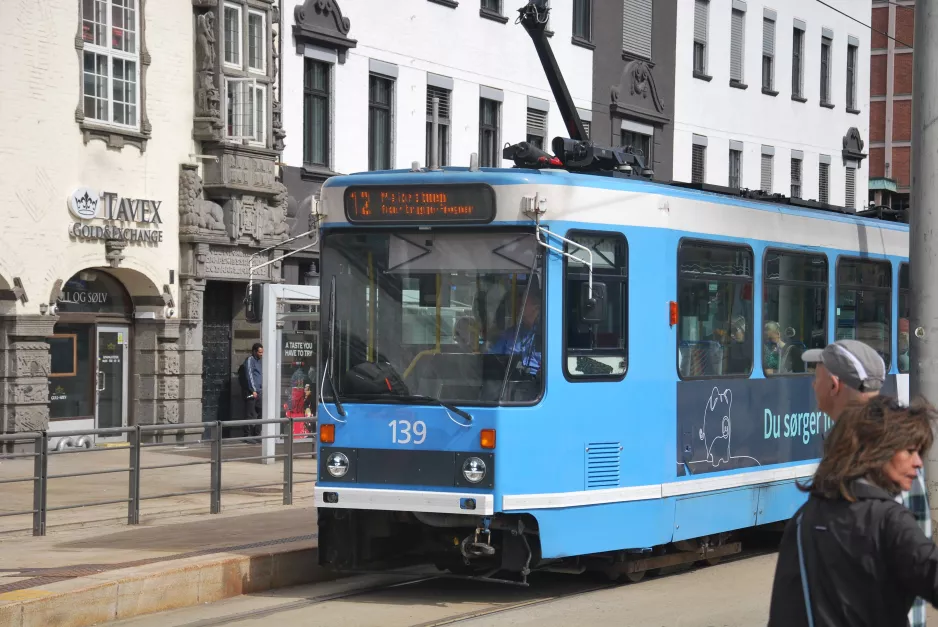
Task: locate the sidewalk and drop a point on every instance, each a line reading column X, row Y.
column 62, row 492
column 83, row 577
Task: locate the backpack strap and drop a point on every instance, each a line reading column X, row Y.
column 804, row 575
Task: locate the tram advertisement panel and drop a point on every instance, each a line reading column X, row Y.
column 725, row 424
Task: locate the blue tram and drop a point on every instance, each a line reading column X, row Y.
column 524, row 366
column 564, row 365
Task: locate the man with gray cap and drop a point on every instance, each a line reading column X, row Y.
column 850, row 372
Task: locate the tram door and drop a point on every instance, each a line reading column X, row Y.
column 111, row 379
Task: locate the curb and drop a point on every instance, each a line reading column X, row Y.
column 121, row 594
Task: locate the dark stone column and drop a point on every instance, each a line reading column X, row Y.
column 24, row 371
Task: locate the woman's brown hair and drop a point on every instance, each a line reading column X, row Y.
column 863, row 441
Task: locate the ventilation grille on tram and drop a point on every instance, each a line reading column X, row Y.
column 602, row 465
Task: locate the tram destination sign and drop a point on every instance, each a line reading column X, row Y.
column 424, row 204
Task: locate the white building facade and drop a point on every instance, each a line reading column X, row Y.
column 358, row 82
column 774, row 96
column 97, row 119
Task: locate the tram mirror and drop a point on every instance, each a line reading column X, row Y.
column 253, row 302
column 593, row 310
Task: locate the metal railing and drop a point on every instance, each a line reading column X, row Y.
column 136, row 444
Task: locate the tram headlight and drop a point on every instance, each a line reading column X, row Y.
column 473, row 469
column 337, row 465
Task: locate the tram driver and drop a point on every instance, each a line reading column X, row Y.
column 527, row 346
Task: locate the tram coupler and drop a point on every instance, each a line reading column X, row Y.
column 471, row 547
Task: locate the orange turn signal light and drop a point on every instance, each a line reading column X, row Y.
column 672, row 313
column 327, row 433
column 487, row 438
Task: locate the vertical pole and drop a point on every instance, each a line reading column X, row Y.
column 288, row 465
column 435, row 136
column 216, row 468
column 923, row 221
column 133, row 504
column 40, row 472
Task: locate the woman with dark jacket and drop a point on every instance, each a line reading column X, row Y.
column 852, row 554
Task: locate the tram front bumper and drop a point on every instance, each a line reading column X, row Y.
column 342, row 497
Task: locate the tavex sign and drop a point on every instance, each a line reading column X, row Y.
column 86, row 204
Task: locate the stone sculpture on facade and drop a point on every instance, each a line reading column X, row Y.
column 640, row 81
column 207, row 95
column 277, row 226
column 195, row 213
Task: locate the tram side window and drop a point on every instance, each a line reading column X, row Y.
column 715, row 286
column 597, row 349
column 864, row 303
column 904, row 315
column 794, row 310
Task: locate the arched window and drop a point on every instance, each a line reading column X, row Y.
column 93, row 291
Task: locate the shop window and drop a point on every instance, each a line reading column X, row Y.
column 71, row 389
column 91, row 291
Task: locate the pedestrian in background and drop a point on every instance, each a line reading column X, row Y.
column 852, row 554
column 251, row 378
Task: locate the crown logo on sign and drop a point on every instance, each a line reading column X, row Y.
column 86, row 205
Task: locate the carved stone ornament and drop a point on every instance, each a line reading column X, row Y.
column 113, row 252
column 853, row 145
column 207, row 96
column 197, row 215
column 640, row 81
column 320, row 22
column 116, row 137
column 277, row 226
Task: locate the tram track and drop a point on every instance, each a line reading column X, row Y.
column 360, row 594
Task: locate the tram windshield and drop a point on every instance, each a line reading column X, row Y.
column 451, row 316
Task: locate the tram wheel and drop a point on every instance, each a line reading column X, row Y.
column 636, row 576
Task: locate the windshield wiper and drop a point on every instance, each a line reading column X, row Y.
column 403, row 398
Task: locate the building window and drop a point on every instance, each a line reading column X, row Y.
column 232, row 19
column 537, row 128
column 737, row 45
column 825, row 70
column 444, row 122
column 316, row 112
column 636, row 27
column 736, row 168
column 597, row 350
column 852, row 77
column 864, row 304
column 380, row 90
column 905, row 310
column 795, row 177
column 823, row 180
column 765, row 183
column 797, row 63
column 768, row 54
column 257, row 40
column 110, row 60
column 794, row 310
column 582, row 19
column 698, row 164
column 715, row 290
column 850, row 201
column 586, row 127
column 492, row 6
column 701, row 16
column 640, row 142
column 488, row 133
column 246, row 110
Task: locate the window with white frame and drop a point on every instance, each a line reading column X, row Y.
column 851, row 188
column 583, row 19
column 257, row 42
column 246, row 110
column 765, row 184
column 826, row 43
column 796, row 176
column 698, row 163
column 111, row 61
column 852, row 77
column 443, row 122
column 231, row 16
column 797, row 62
column 246, row 86
column 736, row 167
column 537, row 128
column 823, row 179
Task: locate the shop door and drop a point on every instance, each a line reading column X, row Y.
column 111, row 378
column 216, row 352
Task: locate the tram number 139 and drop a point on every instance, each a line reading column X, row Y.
column 407, row 432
